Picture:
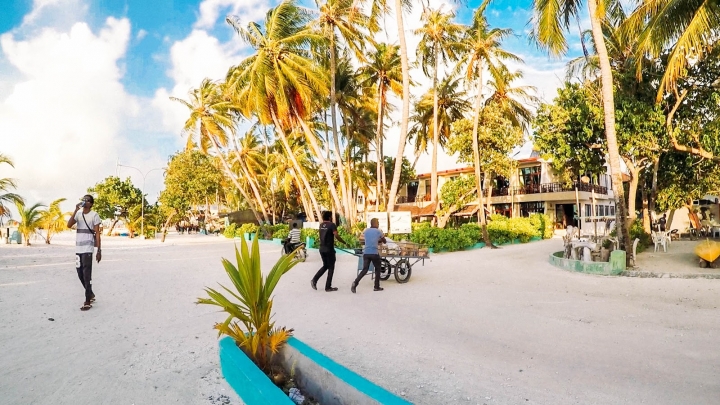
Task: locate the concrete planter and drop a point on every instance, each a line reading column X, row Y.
column 316, row 374
column 310, row 242
column 614, row 267
column 277, row 241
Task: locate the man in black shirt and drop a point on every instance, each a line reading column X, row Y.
column 328, row 233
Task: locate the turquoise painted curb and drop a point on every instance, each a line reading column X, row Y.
column 614, row 267
column 478, row 245
column 277, row 241
column 251, row 384
column 373, row 391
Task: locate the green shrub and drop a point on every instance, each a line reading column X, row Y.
column 424, row 234
column 503, row 230
column 230, row 230
column 472, row 231
column 348, row 237
column 313, row 233
column 281, row 231
column 637, row 232
column 543, row 224
column 247, row 228
column 358, row 228
column 523, row 229
column 499, row 233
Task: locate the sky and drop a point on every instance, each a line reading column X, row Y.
column 85, row 85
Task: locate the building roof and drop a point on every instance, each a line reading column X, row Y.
column 415, row 211
column 447, row 172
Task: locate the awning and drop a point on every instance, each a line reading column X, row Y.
column 416, row 212
column 467, row 211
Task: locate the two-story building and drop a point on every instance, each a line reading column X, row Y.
column 532, row 188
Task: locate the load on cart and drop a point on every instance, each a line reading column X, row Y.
column 396, row 258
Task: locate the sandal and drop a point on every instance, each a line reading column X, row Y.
column 85, row 307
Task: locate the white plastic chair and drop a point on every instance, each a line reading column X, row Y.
column 659, row 239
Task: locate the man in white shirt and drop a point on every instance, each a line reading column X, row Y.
column 86, row 240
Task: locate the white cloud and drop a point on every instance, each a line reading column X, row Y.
column 193, row 59
column 63, row 120
column 38, row 7
column 249, row 10
column 141, row 34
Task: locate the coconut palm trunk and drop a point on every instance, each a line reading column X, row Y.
column 234, row 180
column 378, row 147
column 609, row 115
column 296, row 165
column 336, row 142
column 482, row 221
column 436, row 135
column 312, row 139
column 405, row 106
column 251, row 180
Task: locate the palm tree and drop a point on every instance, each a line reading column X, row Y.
column 512, row 100
column 346, row 18
column 378, row 8
column 54, row 220
column 6, row 184
column 438, row 42
column 482, row 50
column 688, row 27
column 248, row 157
column 210, row 120
column 279, row 82
column 451, row 103
column 383, row 72
column 550, row 20
column 30, row 219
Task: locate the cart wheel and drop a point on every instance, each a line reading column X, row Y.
column 403, row 270
column 385, row 269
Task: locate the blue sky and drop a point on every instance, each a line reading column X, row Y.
column 85, row 84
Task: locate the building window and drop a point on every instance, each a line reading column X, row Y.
column 612, row 210
column 529, row 208
column 530, row 177
column 502, row 209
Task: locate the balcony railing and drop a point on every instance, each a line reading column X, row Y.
column 552, row 188
column 419, row 198
column 559, row 187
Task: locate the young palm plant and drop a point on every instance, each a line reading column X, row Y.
column 6, row 184
column 54, row 220
column 30, row 219
column 249, row 321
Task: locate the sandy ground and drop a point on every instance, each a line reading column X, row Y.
column 680, row 259
column 477, row 327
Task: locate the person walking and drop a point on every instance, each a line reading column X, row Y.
column 86, row 240
column 373, row 237
column 328, row 233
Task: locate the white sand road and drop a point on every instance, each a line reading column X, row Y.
column 476, row 327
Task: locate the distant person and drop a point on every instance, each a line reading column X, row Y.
column 293, row 238
column 328, row 233
column 373, row 237
column 86, row 240
column 662, row 222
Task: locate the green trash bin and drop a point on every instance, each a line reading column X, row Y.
column 16, row 236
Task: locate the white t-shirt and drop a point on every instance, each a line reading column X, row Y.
column 84, row 241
